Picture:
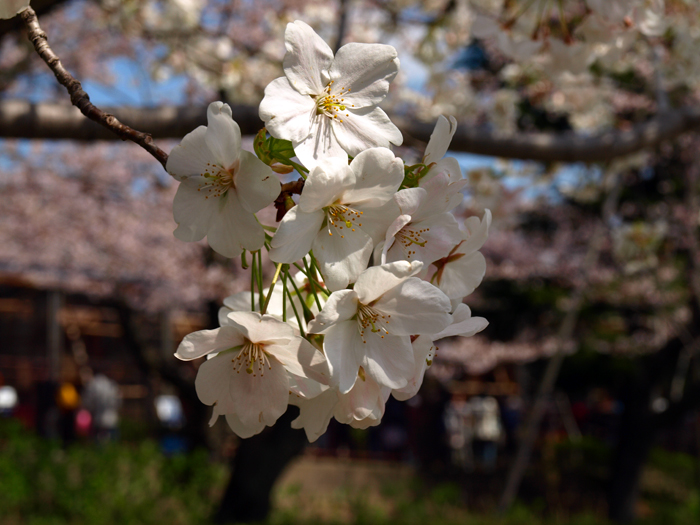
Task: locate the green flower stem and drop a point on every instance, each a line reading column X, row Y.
column 260, row 279
column 318, row 284
column 301, row 169
column 312, row 281
column 301, row 299
column 284, row 300
column 296, row 314
column 317, row 270
column 272, row 287
column 252, row 282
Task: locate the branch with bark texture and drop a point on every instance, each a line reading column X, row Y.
column 20, row 119
column 79, row 98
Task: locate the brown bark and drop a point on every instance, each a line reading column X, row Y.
column 20, row 119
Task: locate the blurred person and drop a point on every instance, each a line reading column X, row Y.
column 511, row 414
column 487, row 430
column 68, row 402
column 26, row 410
column 459, row 423
column 101, row 397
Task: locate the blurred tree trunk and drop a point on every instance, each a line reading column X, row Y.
column 639, row 427
column 257, row 464
column 635, row 439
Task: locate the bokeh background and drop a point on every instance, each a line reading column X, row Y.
column 578, row 404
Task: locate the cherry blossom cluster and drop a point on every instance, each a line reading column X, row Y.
column 382, row 264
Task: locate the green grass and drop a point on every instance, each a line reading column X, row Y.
column 41, row 483
column 134, row 483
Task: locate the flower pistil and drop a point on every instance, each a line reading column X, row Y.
column 329, row 103
column 368, row 317
column 338, row 215
column 219, row 179
column 252, row 354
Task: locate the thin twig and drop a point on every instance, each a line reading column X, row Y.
column 78, row 97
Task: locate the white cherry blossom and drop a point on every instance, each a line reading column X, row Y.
column 424, row 349
column 342, row 212
column 221, row 186
column 326, row 105
column 370, row 326
column 424, row 231
column 362, row 407
column 462, row 270
column 434, row 158
column 248, row 379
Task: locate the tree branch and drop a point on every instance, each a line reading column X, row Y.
column 20, row 119
column 78, row 96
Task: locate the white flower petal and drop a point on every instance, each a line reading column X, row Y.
column 441, row 194
column 459, row 278
column 410, row 199
column 440, row 139
column 190, row 157
column 233, row 229
column 315, row 414
column 449, row 166
column 295, row 235
column 393, row 229
column 192, row 212
column 241, row 430
column 378, row 175
column 256, row 184
column 287, row 113
column 342, row 256
column 367, row 69
column 301, row 359
column 203, row 342
column 261, row 328
column 376, row 280
column 326, row 183
column 237, row 302
column 478, row 232
column 363, row 401
column 359, row 129
column 463, row 324
column 388, row 360
column 305, row 388
column 416, row 307
column 212, row 384
column 223, row 135
column 319, row 143
column 260, row 397
column 341, row 346
column 341, row 306
column 307, row 56
column 421, row 348
column 375, row 221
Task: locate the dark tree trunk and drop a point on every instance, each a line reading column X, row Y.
column 635, row 440
column 638, row 429
column 258, row 463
